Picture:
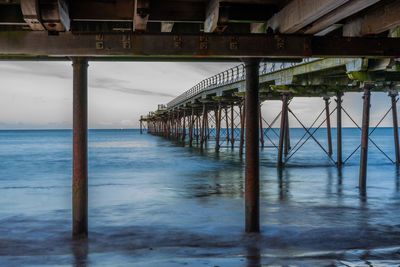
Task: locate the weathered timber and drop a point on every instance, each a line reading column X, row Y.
column 298, row 14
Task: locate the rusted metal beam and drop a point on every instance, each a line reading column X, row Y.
column 328, row 125
column 191, row 46
column 365, row 136
column 252, row 187
column 80, row 156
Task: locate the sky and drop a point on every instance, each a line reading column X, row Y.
column 38, row 95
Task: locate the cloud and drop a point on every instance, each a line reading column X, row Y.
column 53, row 69
column 118, row 85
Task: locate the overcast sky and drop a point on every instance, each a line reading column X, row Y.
column 38, row 95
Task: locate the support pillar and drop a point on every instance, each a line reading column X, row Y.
column 80, row 158
column 203, row 125
column 339, row 161
column 218, row 126
column 242, row 125
column 232, row 126
column 261, row 126
column 184, row 125
column 282, row 130
column 364, row 137
column 393, row 95
column 141, row 124
column 287, row 134
column 328, row 124
column 252, row 190
column 191, row 128
column 227, row 126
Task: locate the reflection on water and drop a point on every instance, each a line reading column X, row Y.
column 156, row 202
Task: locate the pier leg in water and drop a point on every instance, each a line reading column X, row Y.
column 203, row 125
column 184, row 125
column 232, row 126
column 328, row 124
column 393, row 94
column 261, row 127
column 287, row 136
column 80, row 158
column 242, row 123
column 191, row 128
column 252, row 179
column 364, row 136
column 282, row 131
column 227, row 126
column 218, row 127
column 339, row 95
column 141, row 124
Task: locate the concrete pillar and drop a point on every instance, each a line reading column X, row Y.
column 252, row 190
column 80, row 158
column 364, row 137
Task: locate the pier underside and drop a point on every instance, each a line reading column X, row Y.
column 348, row 45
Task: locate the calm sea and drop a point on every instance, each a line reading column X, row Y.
column 155, row 202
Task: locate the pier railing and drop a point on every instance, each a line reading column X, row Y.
column 232, row 75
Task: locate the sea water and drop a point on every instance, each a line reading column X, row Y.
column 158, row 202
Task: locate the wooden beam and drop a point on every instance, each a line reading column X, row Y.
column 300, row 13
column 55, row 15
column 31, row 12
column 204, row 46
column 141, row 15
column 212, row 16
column 376, row 21
column 339, row 14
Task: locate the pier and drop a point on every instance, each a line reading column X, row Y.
column 287, row 49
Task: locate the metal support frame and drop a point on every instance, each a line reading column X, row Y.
column 80, row 154
column 365, row 136
column 252, row 178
